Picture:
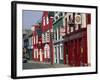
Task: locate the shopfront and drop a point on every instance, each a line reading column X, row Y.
column 75, row 49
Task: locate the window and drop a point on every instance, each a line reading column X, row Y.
column 65, row 13
column 35, row 53
column 65, row 22
column 61, row 52
column 53, row 20
column 34, row 39
column 54, row 34
column 43, row 21
column 47, row 51
column 56, row 17
column 48, row 36
column 55, row 52
column 47, row 20
column 58, row 33
column 44, row 53
column 60, row 14
column 44, row 37
column 69, row 17
column 71, row 29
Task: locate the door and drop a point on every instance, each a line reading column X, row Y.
column 55, row 55
column 41, row 55
column 66, row 55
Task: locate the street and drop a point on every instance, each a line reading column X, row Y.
column 39, row 65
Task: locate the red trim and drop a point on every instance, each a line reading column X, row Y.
column 88, row 18
column 51, row 44
column 84, row 40
column 78, row 53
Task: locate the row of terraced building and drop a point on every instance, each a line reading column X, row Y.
column 62, row 38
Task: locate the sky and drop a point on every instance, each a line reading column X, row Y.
column 30, row 18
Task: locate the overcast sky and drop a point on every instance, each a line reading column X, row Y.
column 30, row 18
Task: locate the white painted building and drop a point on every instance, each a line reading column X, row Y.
column 58, row 45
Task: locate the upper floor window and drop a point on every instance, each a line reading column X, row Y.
column 56, row 34
column 56, row 17
column 60, row 14
column 37, row 39
column 34, row 39
column 43, row 21
column 65, row 22
column 65, row 13
column 47, row 20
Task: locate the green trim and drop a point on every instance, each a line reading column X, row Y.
column 58, row 23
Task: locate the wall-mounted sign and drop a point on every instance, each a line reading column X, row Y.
column 78, row 19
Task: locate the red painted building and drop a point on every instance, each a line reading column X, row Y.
column 42, row 43
column 46, row 32
column 37, row 44
column 75, row 42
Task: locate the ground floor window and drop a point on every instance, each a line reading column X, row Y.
column 36, row 53
column 46, row 51
column 61, row 52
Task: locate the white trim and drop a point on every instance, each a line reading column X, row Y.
column 42, row 38
column 61, row 51
column 72, row 29
column 57, row 34
column 47, row 50
column 83, row 20
column 88, row 42
column 47, row 20
column 57, row 54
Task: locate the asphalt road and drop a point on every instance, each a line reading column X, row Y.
column 42, row 65
column 35, row 66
